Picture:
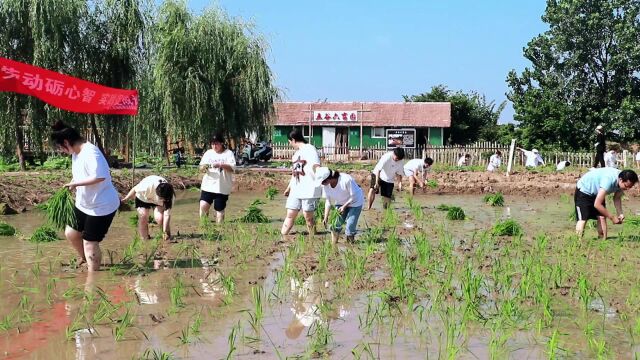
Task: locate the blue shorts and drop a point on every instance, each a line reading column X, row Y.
column 350, row 217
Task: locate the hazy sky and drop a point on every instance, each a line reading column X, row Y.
column 381, row 50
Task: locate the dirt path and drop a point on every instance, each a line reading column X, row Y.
column 23, row 190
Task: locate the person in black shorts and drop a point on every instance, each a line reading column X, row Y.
column 388, row 169
column 218, row 165
column 153, row 192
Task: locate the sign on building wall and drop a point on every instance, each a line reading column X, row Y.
column 401, row 138
column 335, row 115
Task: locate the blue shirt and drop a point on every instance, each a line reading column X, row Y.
column 596, row 179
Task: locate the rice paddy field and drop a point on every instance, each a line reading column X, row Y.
column 435, row 277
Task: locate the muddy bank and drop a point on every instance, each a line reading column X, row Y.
column 22, row 191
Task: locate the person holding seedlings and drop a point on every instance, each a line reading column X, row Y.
column 591, row 192
column 533, row 158
column 218, row 165
column 495, row 161
column 342, row 192
column 96, row 198
column 598, row 158
column 153, row 192
column 388, row 168
column 464, row 160
column 411, row 170
column 303, row 192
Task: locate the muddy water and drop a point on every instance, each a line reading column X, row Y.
column 295, row 308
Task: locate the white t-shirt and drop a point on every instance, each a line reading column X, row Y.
column 146, row 189
column 217, row 180
column 533, row 159
column 98, row 199
column 462, row 161
column 494, row 162
column 389, row 168
column 414, row 166
column 303, row 186
column 610, row 160
column 638, row 156
column 345, row 190
column 561, row 165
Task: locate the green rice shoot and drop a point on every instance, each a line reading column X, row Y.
column 44, row 234
column 6, row 229
column 455, row 213
column 60, row 209
column 254, row 214
column 271, row 193
column 431, row 183
column 494, row 199
column 507, row 228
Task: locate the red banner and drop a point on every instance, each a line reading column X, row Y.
column 66, row 92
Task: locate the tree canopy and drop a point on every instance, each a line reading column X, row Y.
column 473, row 118
column 584, row 72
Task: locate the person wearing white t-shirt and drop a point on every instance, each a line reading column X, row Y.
column 303, row 192
column 416, row 170
column 383, row 176
column 464, row 160
column 533, row 158
column 638, row 159
column 218, row 165
column 495, row 161
column 562, row 165
column 153, row 192
column 342, row 192
column 611, row 159
column 96, row 198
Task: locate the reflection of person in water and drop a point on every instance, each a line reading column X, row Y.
column 306, row 299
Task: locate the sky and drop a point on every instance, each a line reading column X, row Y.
column 380, row 50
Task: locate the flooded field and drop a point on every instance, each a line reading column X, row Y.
column 414, row 285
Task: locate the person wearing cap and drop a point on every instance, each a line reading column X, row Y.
column 218, row 165
column 495, row 161
column 416, row 170
column 533, row 158
column 591, row 192
column 384, row 174
column 342, row 192
column 303, row 192
column 598, row 158
column 153, row 192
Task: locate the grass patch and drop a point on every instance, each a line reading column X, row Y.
column 507, row 228
column 6, row 229
column 494, row 199
column 44, row 234
column 455, row 213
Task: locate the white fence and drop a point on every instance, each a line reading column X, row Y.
column 449, row 155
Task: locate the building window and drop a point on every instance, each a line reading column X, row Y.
column 377, row 132
column 305, row 131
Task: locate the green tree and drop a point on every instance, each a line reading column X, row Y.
column 583, row 73
column 472, row 117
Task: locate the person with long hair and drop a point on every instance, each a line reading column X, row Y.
column 96, row 198
column 218, row 165
column 153, row 192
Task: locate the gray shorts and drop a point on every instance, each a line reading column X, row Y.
column 307, row 205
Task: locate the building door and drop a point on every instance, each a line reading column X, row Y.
column 328, row 139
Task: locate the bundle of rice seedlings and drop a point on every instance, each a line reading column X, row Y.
column 271, row 193
column 6, row 229
column 254, row 214
column 44, row 234
column 507, row 228
column 455, row 213
column 494, row 199
column 60, row 209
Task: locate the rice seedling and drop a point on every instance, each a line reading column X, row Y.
column 321, row 338
column 233, row 337
column 6, row 229
column 176, row 295
column 153, row 354
column 7, row 322
column 300, row 221
column 44, row 234
column 552, row 345
column 424, row 249
column 494, row 199
column 123, row 323
column 229, row 286
column 191, row 333
column 325, row 251
column 416, row 208
column 432, row 183
column 271, row 193
column 257, row 296
column 455, row 213
column 254, row 214
column 134, row 218
column 507, row 227
column 60, row 209
column 584, row 291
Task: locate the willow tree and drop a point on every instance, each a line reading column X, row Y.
column 210, row 74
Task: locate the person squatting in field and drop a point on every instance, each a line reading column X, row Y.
column 591, row 192
column 96, row 198
column 341, row 191
column 218, row 165
column 416, row 170
column 153, row 192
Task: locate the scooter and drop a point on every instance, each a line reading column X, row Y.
column 252, row 153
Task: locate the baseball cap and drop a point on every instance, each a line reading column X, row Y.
column 322, row 173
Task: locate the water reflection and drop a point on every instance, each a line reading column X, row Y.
column 144, row 297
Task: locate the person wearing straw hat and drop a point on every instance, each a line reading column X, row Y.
column 598, row 158
column 342, row 191
column 533, row 158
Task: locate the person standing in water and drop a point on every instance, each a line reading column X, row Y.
column 303, row 192
column 218, row 165
column 96, row 198
column 153, row 192
column 341, row 191
column 383, row 176
column 416, row 170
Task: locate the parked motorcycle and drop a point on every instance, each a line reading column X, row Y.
column 253, row 153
